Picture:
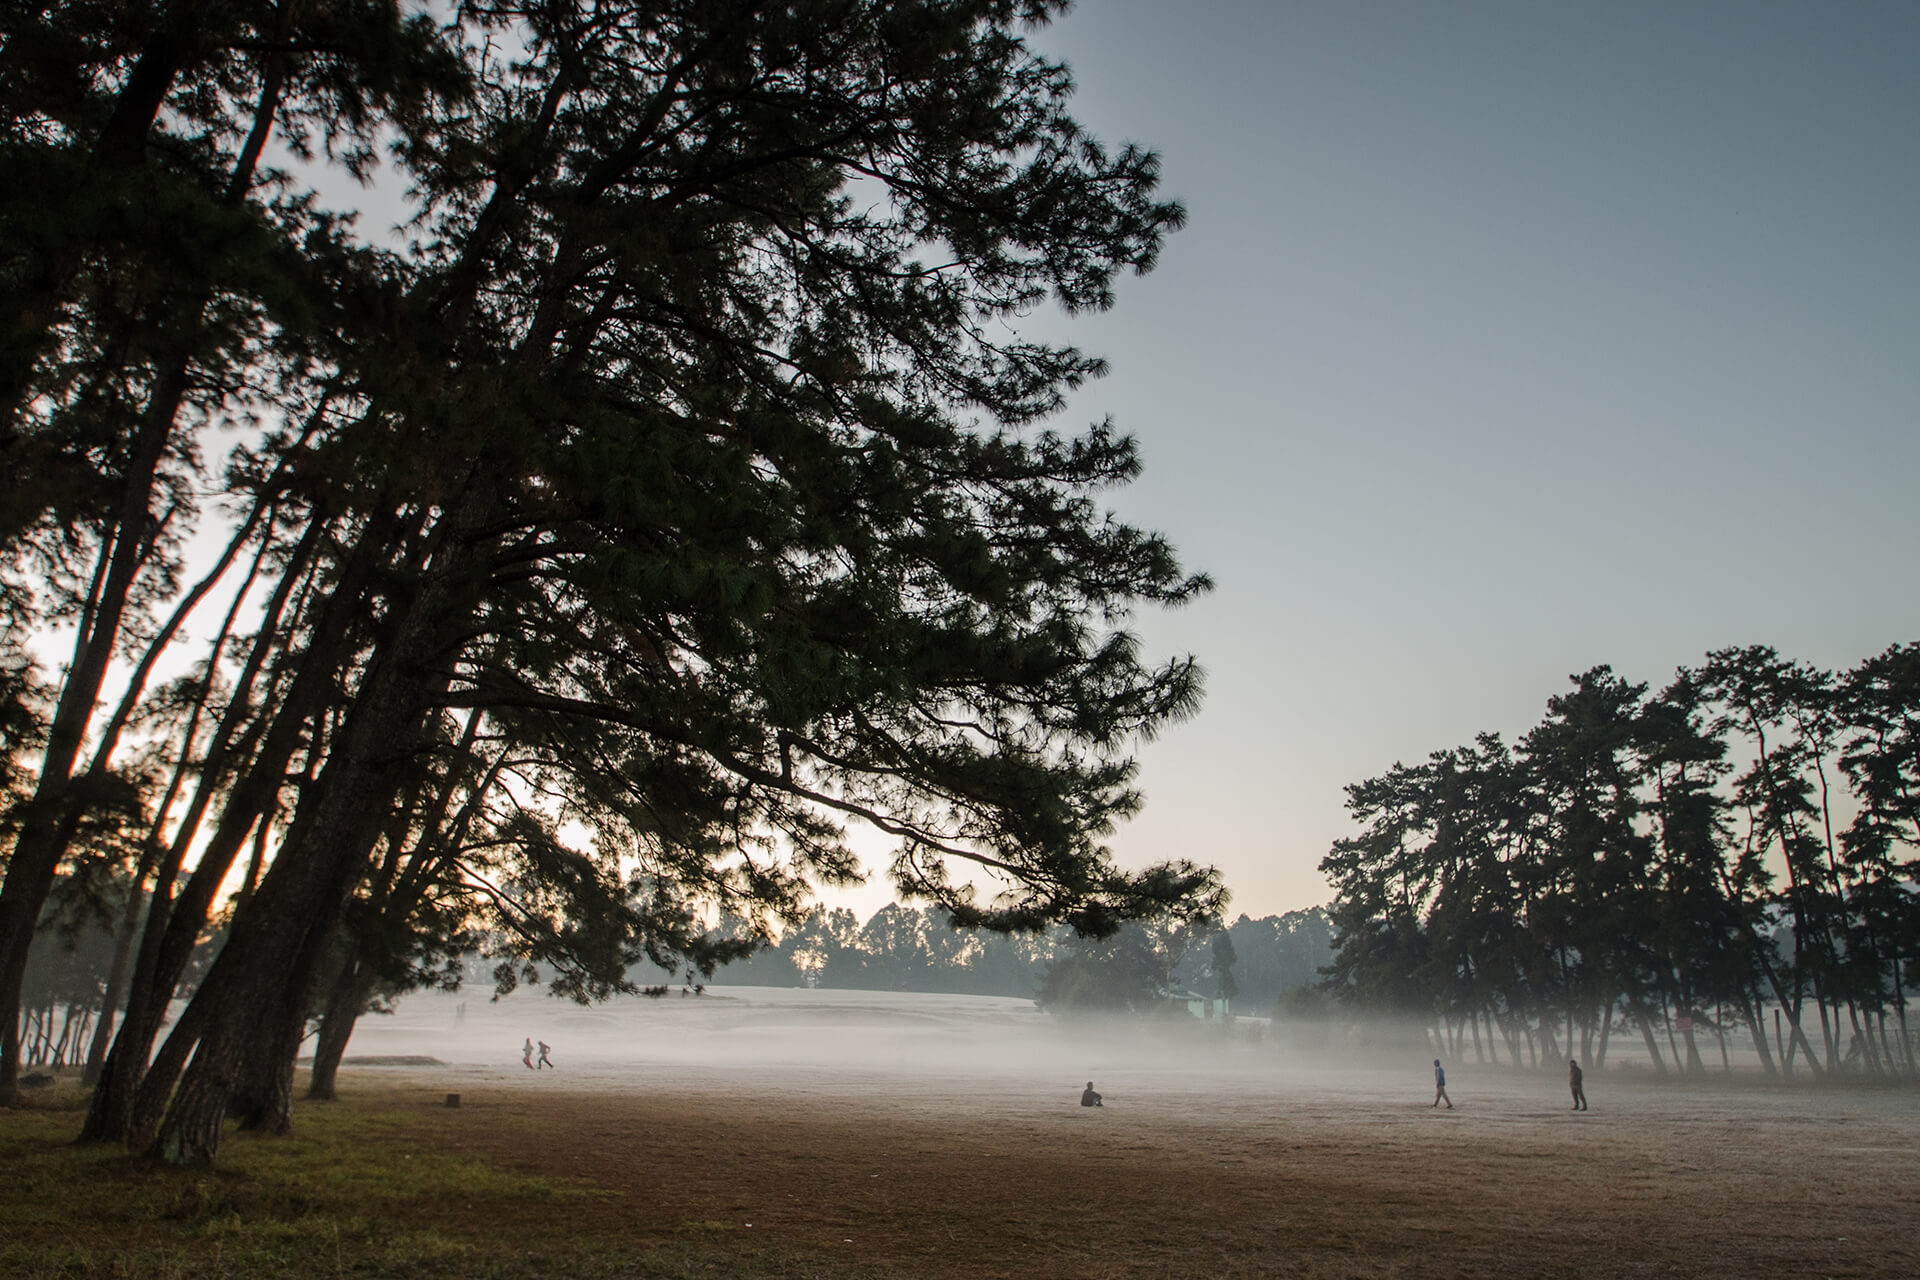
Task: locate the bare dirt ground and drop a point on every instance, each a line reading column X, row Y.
column 1228, row 1162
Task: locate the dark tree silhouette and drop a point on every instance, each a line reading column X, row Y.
column 680, row 463
column 1620, row 869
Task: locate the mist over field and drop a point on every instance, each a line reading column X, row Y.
column 932, row 1052
column 871, row 1033
column 970, row 1049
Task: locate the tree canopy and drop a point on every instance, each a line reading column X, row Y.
column 671, row 491
column 1745, row 838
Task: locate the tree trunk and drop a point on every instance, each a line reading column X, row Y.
column 1695, row 1066
column 30, row 1035
column 263, row 1094
column 36, row 852
column 1828, row 1034
column 1900, row 1012
column 327, row 846
column 129, row 547
column 152, row 1085
column 1638, row 1013
column 246, row 998
column 1780, row 995
column 117, row 1113
column 199, row 1110
column 349, row 997
column 116, row 989
column 66, row 1035
column 1861, row 1042
column 1758, row 1030
column 1798, row 1035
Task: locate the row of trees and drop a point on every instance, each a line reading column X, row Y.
column 1250, row 962
column 1745, row 840
column 1256, row 965
column 570, row 567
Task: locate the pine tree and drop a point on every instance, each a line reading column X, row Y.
column 687, row 433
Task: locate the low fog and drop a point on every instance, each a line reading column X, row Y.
column 878, row 1034
column 931, row 1052
column 860, row 1041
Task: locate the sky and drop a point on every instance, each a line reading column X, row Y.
column 1503, row 340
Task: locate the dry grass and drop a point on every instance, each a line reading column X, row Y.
column 824, row 1177
column 1659, row 1180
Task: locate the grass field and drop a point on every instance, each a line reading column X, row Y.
column 829, row 1174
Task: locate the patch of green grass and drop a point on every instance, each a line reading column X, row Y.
column 64, row 1094
column 360, row 1190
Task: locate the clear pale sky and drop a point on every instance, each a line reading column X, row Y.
column 1503, row 340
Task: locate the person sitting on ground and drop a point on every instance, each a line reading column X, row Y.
column 1089, row 1098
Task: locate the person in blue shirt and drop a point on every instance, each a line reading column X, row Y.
column 1440, row 1085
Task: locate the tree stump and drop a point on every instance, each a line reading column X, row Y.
column 453, row 1099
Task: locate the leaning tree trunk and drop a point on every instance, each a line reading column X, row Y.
column 1750, row 1011
column 35, row 856
column 349, row 997
column 166, row 945
column 322, row 852
column 1638, row 1012
column 121, row 972
column 126, row 1105
column 1694, row 1064
column 262, row 1097
column 116, row 993
column 1886, row 1045
column 133, row 1094
column 152, row 1089
column 249, row 979
column 326, row 850
column 1797, row 1039
column 1900, row 1012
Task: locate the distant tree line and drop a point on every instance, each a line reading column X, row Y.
column 1255, row 964
column 1676, row 864
column 1252, row 962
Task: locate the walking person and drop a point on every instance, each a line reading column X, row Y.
column 545, row 1061
column 1576, row 1081
column 526, row 1054
column 1440, row 1085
